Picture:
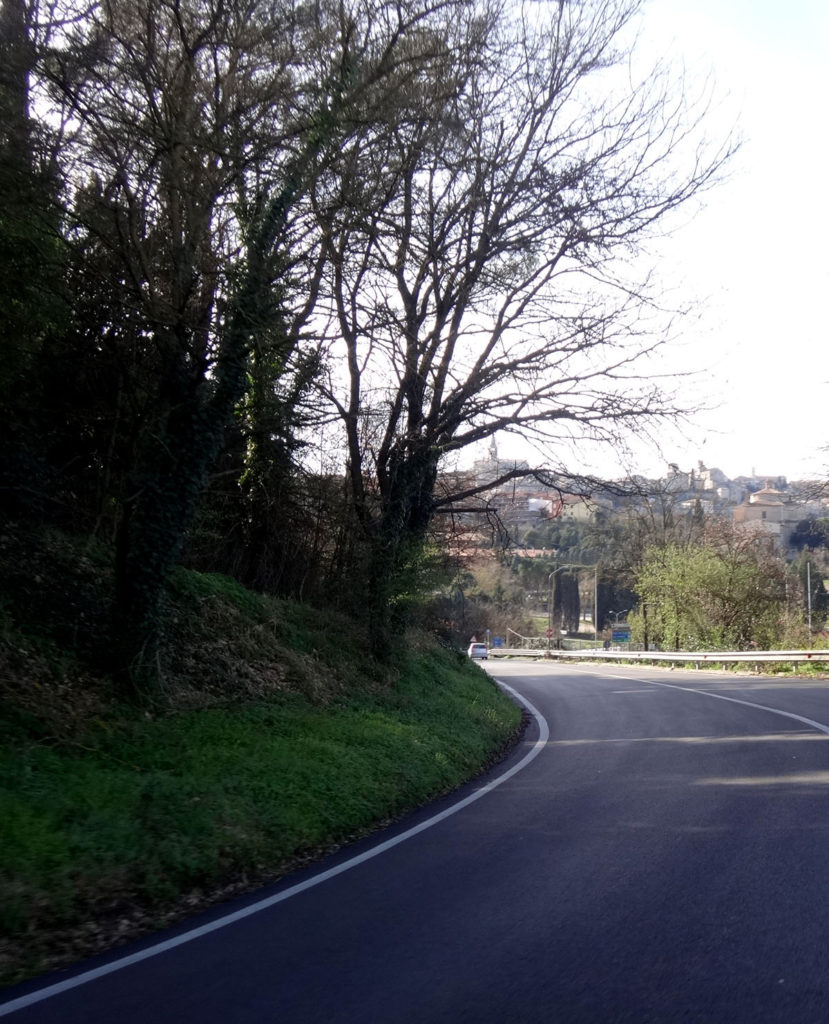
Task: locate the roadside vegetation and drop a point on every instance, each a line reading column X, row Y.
column 254, row 305
column 678, row 579
column 267, row 270
column 277, row 738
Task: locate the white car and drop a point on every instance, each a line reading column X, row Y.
column 478, row 651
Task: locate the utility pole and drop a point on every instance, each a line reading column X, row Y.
column 596, row 605
column 809, row 597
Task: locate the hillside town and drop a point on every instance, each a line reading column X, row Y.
column 772, row 504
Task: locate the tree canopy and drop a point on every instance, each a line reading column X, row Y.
column 291, row 258
column 727, row 593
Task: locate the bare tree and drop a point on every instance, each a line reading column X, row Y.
column 30, row 253
column 485, row 258
column 193, row 130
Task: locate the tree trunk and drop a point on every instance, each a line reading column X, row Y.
column 397, row 545
column 150, row 536
column 171, row 476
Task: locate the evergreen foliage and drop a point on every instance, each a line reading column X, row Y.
column 264, row 267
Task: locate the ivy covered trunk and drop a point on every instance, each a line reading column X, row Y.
column 171, row 470
column 168, row 478
column 397, row 545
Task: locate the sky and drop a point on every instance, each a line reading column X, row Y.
column 758, row 254
column 756, row 257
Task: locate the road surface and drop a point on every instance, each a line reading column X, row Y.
column 660, row 856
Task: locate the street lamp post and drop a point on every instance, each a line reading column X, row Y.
column 596, row 604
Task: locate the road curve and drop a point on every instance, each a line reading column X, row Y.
column 663, row 858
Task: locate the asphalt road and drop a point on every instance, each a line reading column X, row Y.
column 661, row 856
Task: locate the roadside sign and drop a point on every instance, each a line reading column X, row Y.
column 620, row 634
column 549, row 633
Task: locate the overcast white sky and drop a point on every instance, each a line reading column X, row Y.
column 758, row 254
column 760, row 249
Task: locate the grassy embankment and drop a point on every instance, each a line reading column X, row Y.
column 278, row 739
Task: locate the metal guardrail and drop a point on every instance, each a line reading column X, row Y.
column 698, row 657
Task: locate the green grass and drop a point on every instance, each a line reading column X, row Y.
column 120, row 815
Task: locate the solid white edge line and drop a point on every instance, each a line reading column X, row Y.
column 40, row 995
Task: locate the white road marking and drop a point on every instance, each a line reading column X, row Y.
column 746, row 703
column 254, row 908
column 732, row 700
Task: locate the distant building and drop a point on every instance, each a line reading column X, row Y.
column 767, row 503
column 771, row 510
column 492, row 467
